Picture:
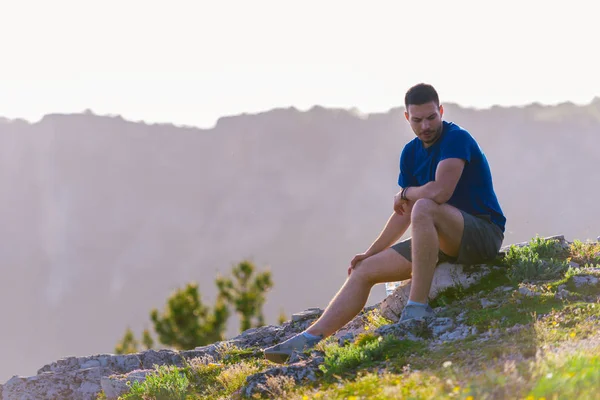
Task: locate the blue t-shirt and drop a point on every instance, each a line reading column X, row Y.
column 474, row 192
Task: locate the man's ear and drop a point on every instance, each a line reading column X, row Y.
column 406, row 115
column 441, row 110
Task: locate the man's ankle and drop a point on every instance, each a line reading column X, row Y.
column 311, row 335
column 416, row 303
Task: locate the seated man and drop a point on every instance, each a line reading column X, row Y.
column 447, row 198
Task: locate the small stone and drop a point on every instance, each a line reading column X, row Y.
column 462, row 316
column 485, row 303
column 441, row 325
column 348, row 337
column 515, row 328
column 528, row 292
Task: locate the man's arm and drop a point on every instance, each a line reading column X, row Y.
column 441, row 189
column 394, row 228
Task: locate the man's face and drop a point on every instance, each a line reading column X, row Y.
column 426, row 121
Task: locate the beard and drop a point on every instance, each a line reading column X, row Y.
column 430, row 136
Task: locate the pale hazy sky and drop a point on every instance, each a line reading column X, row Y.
column 190, row 62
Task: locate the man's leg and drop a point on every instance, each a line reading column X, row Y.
column 387, row 266
column 434, row 227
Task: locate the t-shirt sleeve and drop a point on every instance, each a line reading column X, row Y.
column 459, row 145
column 405, row 178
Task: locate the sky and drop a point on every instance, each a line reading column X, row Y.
column 191, row 62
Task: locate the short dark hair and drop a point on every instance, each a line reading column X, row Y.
column 420, row 94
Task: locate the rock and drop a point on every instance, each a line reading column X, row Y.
column 116, row 385
column 573, row 264
column 485, row 303
column 445, row 275
column 306, row 314
column 562, row 294
column 117, row 363
column 411, row 330
column 301, row 372
column 515, row 328
column 347, row 337
column 528, row 292
column 584, row 280
column 83, row 384
column 441, row 325
column 461, row 332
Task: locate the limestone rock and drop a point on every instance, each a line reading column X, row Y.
column 301, row 372
column 584, row 280
column 306, row 314
column 525, row 291
column 445, row 275
column 116, row 385
column 485, row 303
column 83, row 384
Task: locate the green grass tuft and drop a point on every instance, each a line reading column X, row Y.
column 541, row 259
column 366, row 351
column 168, row 382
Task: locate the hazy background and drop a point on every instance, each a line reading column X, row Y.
column 264, row 130
column 103, row 217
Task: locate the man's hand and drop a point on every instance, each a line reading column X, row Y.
column 399, row 204
column 357, row 258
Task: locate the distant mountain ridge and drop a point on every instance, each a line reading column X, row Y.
column 103, row 217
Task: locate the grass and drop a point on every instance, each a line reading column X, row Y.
column 542, row 259
column 169, row 382
column 585, row 252
column 367, row 351
column 201, row 378
column 540, row 345
column 569, row 376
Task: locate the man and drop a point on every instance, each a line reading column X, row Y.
column 447, row 198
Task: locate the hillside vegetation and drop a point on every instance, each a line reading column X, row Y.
column 532, row 332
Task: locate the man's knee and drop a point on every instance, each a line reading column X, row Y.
column 364, row 271
column 424, row 209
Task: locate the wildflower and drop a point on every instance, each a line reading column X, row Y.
column 572, row 334
column 456, row 389
column 446, row 364
column 549, row 375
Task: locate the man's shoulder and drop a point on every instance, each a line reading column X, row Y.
column 453, row 131
column 454, row 128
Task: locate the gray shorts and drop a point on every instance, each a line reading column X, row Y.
column 481, row 242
